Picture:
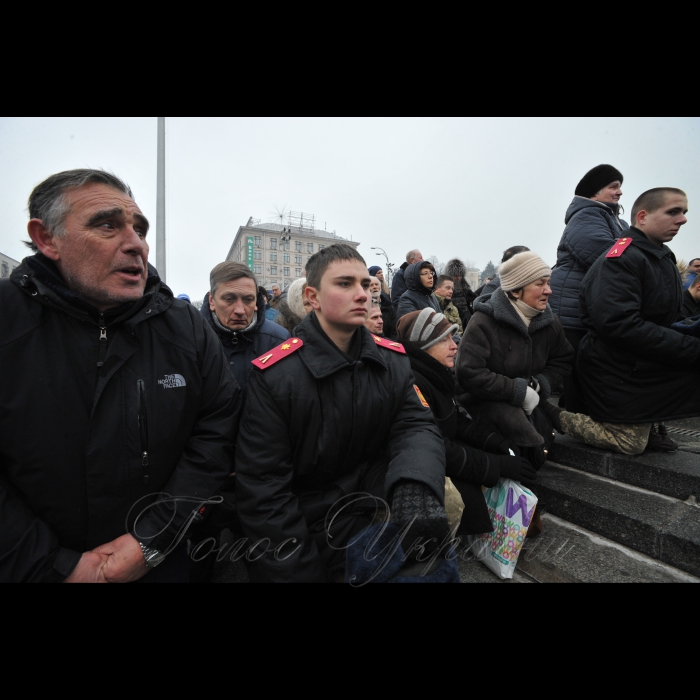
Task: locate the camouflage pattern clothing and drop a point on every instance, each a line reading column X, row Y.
column 625, row 439
column 450, row 312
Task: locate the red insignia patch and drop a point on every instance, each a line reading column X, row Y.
column 619, row 248
column 289, row 347
column 421, row 397
column 389, row 344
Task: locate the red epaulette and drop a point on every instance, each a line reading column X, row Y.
column 619, row 248
column 389, row 344
column 289, row 347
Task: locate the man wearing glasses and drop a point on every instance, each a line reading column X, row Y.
column 421, row 281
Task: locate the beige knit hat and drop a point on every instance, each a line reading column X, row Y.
column 522, row 269
column 295, row 297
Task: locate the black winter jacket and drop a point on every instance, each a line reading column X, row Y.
column 317, row 427
column 591, row 230
column 634, row 368
column 690, row 307
column 398, row 285
column 388, row 316
column 242, row 348
column 98, row 412
column 416, row 297
column 468, row 465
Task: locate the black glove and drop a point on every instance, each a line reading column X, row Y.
column 499, row 445
column 517, row 468
column 414, row 502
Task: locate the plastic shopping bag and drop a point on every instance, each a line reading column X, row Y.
column 511, row 507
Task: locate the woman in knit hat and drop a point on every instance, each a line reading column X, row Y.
column 514, row 353
column 294, row 308
column 593, row 225
column 475, row 456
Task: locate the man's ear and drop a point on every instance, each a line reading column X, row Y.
column 43, row 240
column 641, row 218
column 313, row 298
column 211, row 302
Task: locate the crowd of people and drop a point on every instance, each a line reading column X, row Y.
column 302, row 419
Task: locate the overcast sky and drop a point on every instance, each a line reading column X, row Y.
column 452, row 186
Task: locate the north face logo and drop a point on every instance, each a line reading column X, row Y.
column 172, row 381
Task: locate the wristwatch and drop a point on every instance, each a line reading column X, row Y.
column 152, row 556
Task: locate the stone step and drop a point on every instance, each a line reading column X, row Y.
column 653, row 524
column 676, row 475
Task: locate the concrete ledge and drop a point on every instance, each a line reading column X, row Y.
column 657, row 526
column 676, row 475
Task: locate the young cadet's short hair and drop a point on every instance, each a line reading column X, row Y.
column 653, row 200
column 444, row 278
column 321, row 261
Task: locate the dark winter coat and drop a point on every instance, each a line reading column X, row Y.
column 690, row 306
column 319, row 426
column 242, row 348
column 468, row 465
column 388, row 316
column 490, row 288
column 98, row 411
column 464, row 296
column 416, row 297
column 499, row 355
column 591, row 230
column 398, row 285
column 634, row 368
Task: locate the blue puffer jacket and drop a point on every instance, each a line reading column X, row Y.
column 417, row 297
column 591, row 230
column 242, row 348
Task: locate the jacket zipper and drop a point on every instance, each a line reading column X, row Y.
column 143, row 426
column 103, row 342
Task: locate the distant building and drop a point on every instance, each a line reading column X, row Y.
column 7, row 264
column 278, row 253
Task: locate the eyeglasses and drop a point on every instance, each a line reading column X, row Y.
column 427, row 273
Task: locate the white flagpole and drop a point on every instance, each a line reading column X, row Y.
column 160, row 201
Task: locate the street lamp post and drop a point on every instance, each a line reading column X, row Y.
column 389, row 266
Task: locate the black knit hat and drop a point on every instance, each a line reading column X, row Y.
column 594, row 180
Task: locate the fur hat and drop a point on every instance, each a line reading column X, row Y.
column 522, row 269
column 295, row 298
column 425, row 328
column 594, row 180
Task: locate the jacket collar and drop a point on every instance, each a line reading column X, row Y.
column 642, row 242
column 498, row 306
column 581, row 203
column 323, row 358
column 39, row 278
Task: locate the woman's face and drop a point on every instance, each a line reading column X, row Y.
column 379, row 275
column 611, row 193
column 427, row 278
column 536, row 295
column 444, row 352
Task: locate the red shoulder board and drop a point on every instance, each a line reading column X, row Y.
column 272, row 357
column 619, row 248
column 389, row 344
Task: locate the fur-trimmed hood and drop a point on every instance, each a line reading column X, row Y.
column 498, row 306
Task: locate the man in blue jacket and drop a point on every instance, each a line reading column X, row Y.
column 235, row 309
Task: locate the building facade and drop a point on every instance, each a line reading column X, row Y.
column 278, row 253
column 7, row 264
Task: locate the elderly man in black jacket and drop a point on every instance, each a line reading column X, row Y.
column 117, row 411
column 333, row 425
column 635, row 368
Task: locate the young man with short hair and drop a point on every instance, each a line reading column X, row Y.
column 333, row 422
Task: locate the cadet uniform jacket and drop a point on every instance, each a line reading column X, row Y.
column 98, row 411
column 318, row 427
column 634, row 368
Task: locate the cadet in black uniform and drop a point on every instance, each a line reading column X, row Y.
column 332, row 413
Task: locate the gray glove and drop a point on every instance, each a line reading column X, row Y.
column 532, row 400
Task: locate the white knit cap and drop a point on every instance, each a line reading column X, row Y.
column 522, row 269
column 295, row 299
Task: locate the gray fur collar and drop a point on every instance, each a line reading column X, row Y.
column 498, row 306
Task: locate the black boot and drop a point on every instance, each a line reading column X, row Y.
column 659, row 441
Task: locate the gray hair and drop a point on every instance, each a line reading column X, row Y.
column 411, row 255
column 49, row 203
column 229, row 272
